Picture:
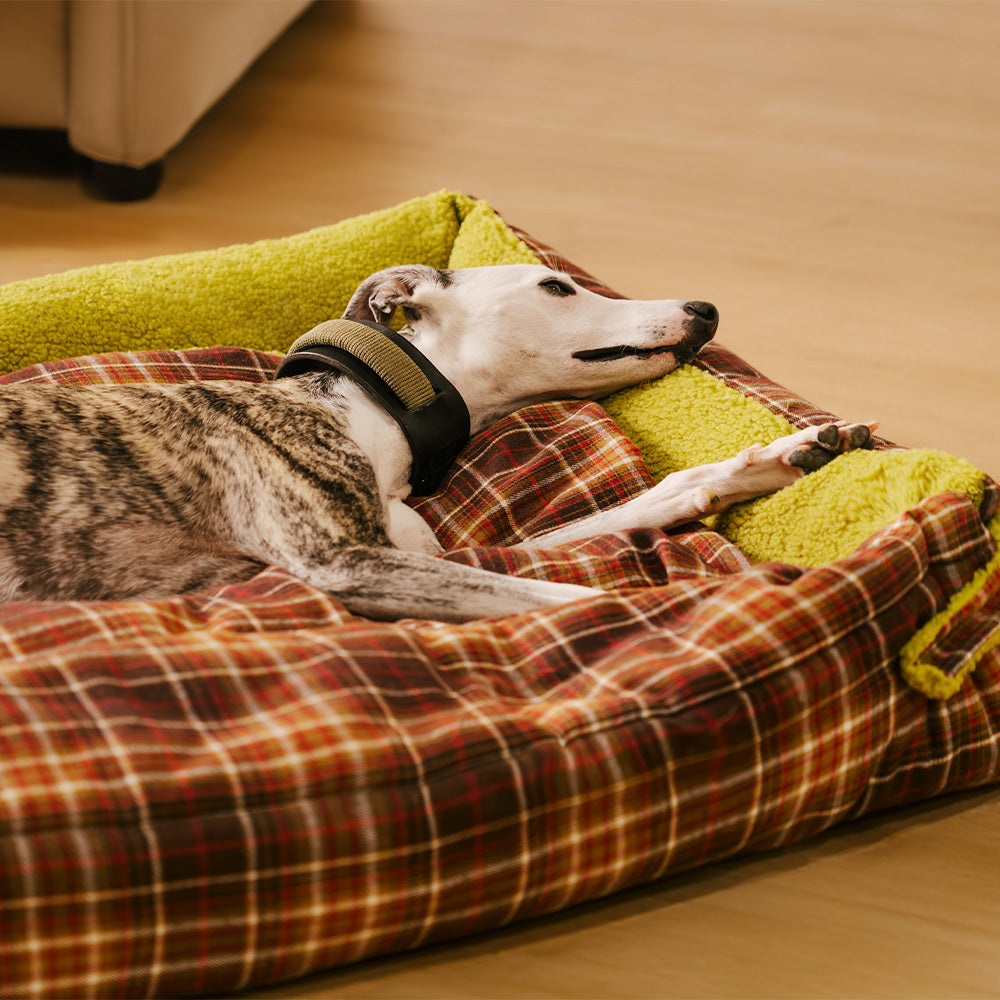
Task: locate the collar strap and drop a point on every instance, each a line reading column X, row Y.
column 427, row 407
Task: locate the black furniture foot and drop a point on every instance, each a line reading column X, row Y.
column 115, row 182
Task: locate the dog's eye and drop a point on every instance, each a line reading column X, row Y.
column 556, row 287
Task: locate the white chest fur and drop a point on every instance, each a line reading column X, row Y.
column 386, row 447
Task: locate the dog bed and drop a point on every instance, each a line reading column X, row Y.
column 204, row 793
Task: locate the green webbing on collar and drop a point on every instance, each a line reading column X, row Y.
column 388, row 361
column 429, row 410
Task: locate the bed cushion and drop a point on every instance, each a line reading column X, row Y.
column 240, row 787
column 260, row 295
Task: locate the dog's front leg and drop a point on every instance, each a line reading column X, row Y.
column 709, row 489
column 408, row 531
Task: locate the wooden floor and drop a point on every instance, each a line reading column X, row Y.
column 828, row 173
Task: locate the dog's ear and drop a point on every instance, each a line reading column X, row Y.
column 378, row 295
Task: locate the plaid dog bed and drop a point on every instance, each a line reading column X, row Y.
column 209, row 792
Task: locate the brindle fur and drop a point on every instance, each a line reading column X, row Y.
column 146, row 490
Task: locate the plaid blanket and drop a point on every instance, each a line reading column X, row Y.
column 204, row 793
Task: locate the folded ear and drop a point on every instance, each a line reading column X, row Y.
column 379, row 294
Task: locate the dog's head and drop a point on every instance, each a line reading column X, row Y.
column 515, row 334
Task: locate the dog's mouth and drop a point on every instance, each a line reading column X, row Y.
column 682, row 354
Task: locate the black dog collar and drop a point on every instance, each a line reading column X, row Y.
column 428, row 408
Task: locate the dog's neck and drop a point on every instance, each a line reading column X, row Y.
column 424, row 404
column 489, row 387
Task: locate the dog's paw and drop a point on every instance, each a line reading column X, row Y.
column 825, row 443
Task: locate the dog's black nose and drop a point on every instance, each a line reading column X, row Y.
column 703, row 323
column 704, row 311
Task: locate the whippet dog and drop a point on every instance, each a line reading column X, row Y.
column 113, row 492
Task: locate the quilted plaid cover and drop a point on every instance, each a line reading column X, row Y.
column 200, row 794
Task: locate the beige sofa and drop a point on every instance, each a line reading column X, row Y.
column 126, row 79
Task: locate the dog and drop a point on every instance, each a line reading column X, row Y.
column 146, row 490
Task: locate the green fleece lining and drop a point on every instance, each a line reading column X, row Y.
column 259, row 295
column 928, row 677
column 822, row 517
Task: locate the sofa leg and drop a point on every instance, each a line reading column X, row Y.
column 115, row 182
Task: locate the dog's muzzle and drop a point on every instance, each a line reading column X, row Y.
column 428, row 408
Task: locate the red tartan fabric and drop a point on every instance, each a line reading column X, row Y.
column 204, row 793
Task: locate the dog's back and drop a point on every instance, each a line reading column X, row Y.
column 115, row 491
